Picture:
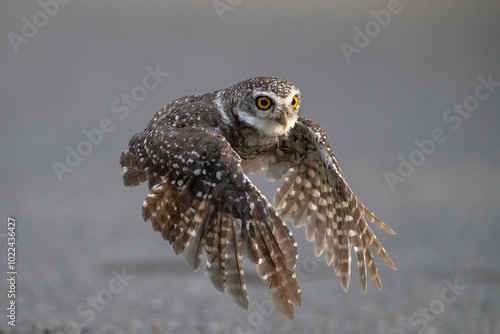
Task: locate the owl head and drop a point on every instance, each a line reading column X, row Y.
column 268, row 104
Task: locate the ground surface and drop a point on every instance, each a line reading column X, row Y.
column 87, row 263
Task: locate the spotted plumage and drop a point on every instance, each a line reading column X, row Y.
column 196, row 153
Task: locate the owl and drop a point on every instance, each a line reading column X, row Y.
column 196, row 154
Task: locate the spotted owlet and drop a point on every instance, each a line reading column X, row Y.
column 196, row 153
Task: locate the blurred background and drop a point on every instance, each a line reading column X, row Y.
column 380, row 76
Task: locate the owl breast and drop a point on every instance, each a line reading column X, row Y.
column 247, row 141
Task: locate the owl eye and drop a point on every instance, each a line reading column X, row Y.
column 263, row 102
column 295, row 102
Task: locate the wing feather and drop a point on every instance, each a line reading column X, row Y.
column 234, row 265
column 215, row 257
column 316, row 195
column 200, row 199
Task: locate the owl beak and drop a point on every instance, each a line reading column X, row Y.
column 282, row 119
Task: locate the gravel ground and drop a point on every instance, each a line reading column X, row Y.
column 85, row 261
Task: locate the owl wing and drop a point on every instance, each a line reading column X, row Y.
column 200, row 199
column 316, row 195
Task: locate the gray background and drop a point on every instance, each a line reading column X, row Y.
column 73, row 234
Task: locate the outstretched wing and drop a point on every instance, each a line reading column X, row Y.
column 316, row 195
column 201, row 200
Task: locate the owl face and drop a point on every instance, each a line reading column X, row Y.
column 268, row 104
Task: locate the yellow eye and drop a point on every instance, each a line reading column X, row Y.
column 295, row 102
column 263, row 102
